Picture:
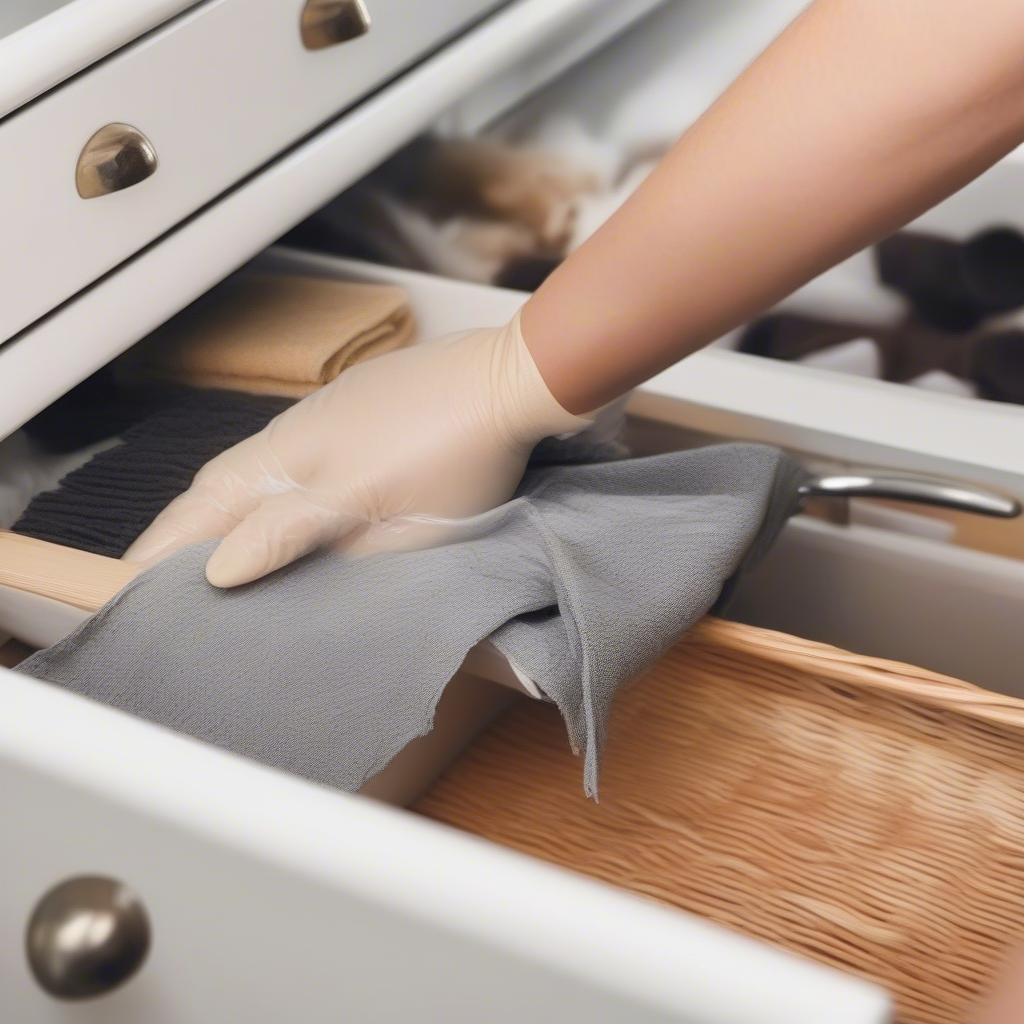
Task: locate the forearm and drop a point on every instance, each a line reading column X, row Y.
column 860, row 116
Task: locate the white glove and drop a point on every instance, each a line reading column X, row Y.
column 438, row 430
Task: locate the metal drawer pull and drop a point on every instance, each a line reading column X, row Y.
column 115, row 158
column 939, row 493
column 329, row 22
column 86, row 937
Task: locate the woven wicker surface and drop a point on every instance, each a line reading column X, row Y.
column 862, row 813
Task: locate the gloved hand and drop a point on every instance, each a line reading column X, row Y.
column 441, row 429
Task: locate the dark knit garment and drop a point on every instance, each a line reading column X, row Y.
column 103, row 506
column 94, row 410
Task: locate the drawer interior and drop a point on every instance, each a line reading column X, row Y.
column 889, row 582
column 845, row 569
column 882, row 588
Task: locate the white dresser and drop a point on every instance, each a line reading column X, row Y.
column 146, row 151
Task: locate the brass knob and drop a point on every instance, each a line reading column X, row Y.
column 86, row 936
column 329, row 22
column 115, row 158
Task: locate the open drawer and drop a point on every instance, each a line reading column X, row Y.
column 272, row 897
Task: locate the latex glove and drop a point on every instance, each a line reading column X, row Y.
column 438, row 430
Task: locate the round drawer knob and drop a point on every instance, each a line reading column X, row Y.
column 86, row 936
column 115, row 158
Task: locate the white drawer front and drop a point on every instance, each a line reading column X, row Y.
column 72, row 35
column 103, row 320
column 217, row 92
column 271, row 900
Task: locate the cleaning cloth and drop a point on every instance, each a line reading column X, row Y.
column 329, row 667
column 273, row 334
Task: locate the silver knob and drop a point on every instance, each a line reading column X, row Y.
column 115, row 158
column 329, row 22
column 86, row 937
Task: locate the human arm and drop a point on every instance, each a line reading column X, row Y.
column 862, row 114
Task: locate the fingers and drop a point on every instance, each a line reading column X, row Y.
column 278, row 531
column 190, row 518
column 223, row 492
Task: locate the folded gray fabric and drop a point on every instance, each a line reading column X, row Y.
column 331, row 666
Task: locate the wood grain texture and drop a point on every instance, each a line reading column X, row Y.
column 862, row 813
column 78, row 578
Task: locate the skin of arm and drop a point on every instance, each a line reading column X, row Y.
column 860, row 116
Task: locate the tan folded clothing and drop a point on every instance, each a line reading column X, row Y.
column 273, row 334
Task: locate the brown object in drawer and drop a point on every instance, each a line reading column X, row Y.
column 273, row 334
column 857, row 811
column 13, row 653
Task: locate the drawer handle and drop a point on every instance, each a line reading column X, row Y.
column 329, row 22
column 115, row 158
column 86, row 936
column 937, row 493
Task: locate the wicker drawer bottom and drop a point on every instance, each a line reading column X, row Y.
column 860, row 812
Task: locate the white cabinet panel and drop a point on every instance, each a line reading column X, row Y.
column 57, row 38
column 217, row 92
column 45, row 361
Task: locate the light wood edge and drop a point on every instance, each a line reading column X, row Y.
column 894, row 679
column 78, row 578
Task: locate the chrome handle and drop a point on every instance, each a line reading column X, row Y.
column 86, row 936
column 329, row 22
column 938, row 493
column 115, row 158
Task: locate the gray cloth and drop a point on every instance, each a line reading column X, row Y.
column 331, row 666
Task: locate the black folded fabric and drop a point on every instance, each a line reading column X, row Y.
column 94, row 410
column 907, row 350
column 955, row 285
column 993, row 361
column 104, row 505
column 997, row 366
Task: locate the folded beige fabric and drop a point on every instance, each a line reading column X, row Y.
column 273, row 334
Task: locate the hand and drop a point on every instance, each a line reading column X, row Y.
column 439, row 430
